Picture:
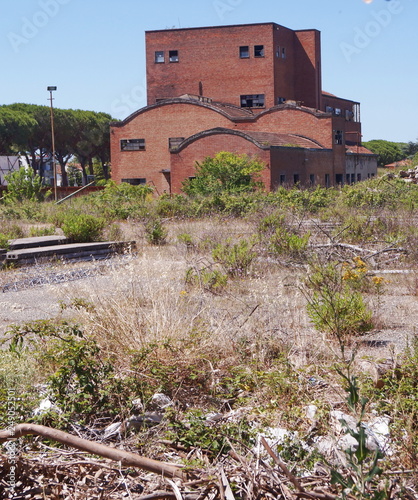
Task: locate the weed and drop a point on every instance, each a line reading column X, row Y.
column 155, row 232
column 333, row 306
column 208, row 279
column 235, row 258
column 41, row 231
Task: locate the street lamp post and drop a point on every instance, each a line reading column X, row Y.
column 50, row 90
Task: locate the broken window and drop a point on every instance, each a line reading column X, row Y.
column 338, row 137
column 252, row 101
column 173, row 55
column 159, row 56
column 132, row 145
column 136, row 181
column 244, row 52
column 174, row 142
column 258, row 50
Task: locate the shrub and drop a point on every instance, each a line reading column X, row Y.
column 41, row 231
column 236, row 258
column 155, row 232
column 23, row 184
column 81, row 228
column 226, row 172
column 333, row 306
column 208, row 279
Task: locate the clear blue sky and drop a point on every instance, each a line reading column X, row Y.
column 93, row 51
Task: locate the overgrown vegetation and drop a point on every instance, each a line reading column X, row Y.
column 247, row 305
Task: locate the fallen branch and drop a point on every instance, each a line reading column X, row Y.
column 282, row 466
column 124, row 457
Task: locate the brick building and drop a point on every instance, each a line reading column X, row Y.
column 252, row 89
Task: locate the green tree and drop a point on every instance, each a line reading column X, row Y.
column 388, row 152
column 225, row 172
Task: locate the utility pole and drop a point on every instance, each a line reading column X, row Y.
column 54, row 167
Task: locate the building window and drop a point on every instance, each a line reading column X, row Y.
column 358, row 177
column 281, row 100
column 296, row 178
column 136, row 181
column 174, row 142
column 159, row 56
column 173, row 55
column 327, row 183
column 258, row 50
column 338, row 137
column 132, row 145
column 339, row 179
column 283, row 53
column 252, row 101
column 244, row 52
column 312, row 179
column 347, row 178
column 337, row 111
column 282, row 179
column 329, row 109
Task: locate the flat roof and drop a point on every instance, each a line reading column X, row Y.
column 226, row 26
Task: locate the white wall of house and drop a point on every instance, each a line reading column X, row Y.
column 7, row 165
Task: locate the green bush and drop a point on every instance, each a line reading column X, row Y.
column 225, row 173
column 155, row 232
column 333, row 306
column 208, row 279
column 236, row 258
column 82, row 228
column 23, row 184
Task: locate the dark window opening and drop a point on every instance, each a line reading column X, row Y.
column 338, row 138
column 136, row 181
column 283, row 53
column 173, row 55
column 339, row 179
column 281, row 100
column 347, row 178
column 353, row 178
column 358, row 177
column 295, row 178
column 258, row 50
column 132, row 145
column 252, row 101
column 159, row 56
column 174, row 142
column 312, row 179
column 244, row 52
column 327, row 182
column 282, row 179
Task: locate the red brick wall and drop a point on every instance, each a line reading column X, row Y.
column 308, row 87
column 302, row 162
column 183, row 164
column 156, row 125
column 291, row 120
column 210, row 56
